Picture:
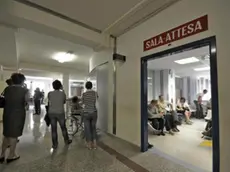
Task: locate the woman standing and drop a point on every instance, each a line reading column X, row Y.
column 90, row 115
column 14, row 115
column 56, row 112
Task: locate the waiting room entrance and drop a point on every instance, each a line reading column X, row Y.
column 179, row 104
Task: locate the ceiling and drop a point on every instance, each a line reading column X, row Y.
column 39, row 48
column 183, row 70
column 112, row 16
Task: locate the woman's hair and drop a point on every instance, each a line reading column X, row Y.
column 57, row 85
column 154, row 102
column 182, row 99
column 17, row 78
column 9, row 82
column 88, row 85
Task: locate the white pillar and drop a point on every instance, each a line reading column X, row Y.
column 156, row 84
column 66, row 85
column 185, row 88
column 192, row 89
column 168, row 85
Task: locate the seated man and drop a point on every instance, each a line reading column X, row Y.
column 155, row 117
column 183, row 108
column 208, row 133
column 168, row 115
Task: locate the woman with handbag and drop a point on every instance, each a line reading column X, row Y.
column 14, row 114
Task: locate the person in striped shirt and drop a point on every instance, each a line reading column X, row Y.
column 89, row 99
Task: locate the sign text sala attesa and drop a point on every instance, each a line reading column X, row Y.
column 188, row 29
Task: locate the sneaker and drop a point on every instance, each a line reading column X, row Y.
column 188, row 122
column 174, row 130
column 171, row 132
column 150, row 146
column 68, row 142
column 156, row 132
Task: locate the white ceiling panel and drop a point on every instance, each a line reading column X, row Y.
column 168, row 62
column 111, row 16
column 95, row 13
column 38, row 48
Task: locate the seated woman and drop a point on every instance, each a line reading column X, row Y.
column 155, row 117
column 168, row 115
column 183, row 108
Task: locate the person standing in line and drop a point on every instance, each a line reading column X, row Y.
column 56, row 112
column 37, row 101
column 89, row 99
column 14, row 116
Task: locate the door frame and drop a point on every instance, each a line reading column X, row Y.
column 211, row 42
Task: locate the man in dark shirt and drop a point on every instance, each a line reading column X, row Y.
column 37, row 101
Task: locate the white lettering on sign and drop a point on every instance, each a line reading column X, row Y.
column 183, row 31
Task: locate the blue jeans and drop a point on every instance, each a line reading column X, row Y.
column 53, row 121
column 90, row 120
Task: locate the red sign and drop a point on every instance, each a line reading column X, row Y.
column 188, row 29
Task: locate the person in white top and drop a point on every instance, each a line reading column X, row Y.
column 201, row 95
column 183, row 108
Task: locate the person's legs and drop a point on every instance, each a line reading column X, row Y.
column 169, row 123
column 87, row 130
column 94, row 129
column 161, row 123
column 36, row 106
column 39, row 106
column 187, row 115
column 54, row 134
column 5, row 145
column 62, row 124
column 13, row 143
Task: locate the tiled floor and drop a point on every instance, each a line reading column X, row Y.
column 185, row 147
column 113, row 156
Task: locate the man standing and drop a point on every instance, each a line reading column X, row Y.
column 37, row 101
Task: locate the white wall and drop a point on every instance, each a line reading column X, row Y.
column 98, row 59
column 131, row 45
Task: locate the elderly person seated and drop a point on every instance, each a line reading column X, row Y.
column 155, row 117
column 169, row 115
column 183, row 108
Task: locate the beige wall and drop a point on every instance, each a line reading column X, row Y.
column 131, row 45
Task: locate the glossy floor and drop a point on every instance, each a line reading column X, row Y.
column 187, row 147
column 113, row 155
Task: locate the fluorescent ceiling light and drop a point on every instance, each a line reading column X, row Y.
column 187, row 60
column 202, row 68
column 63, row 57
column 149, row 78
column 38, row 78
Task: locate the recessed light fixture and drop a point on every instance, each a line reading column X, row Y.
column 63, row 57
column 202, row 69
column 187, row 60
column 149, row 78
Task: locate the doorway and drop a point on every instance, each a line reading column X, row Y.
column 211, row 44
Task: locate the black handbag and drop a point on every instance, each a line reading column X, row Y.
column 2, row 100
column 47, row 118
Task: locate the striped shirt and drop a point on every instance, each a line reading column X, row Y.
column 89, row 99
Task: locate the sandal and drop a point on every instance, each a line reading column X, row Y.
column 2, row 159
column 12, row 159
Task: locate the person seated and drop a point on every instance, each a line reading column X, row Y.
column 183, row 108
column 76, row 108
column 155, row 117
column 199, row 106
column 208, row 133
column 168, row 115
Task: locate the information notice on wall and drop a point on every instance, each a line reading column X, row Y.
column 188, row 29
